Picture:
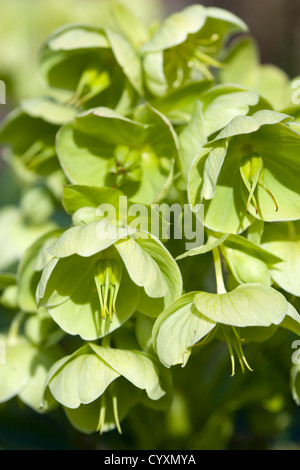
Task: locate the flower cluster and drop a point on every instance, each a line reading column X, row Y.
column 158, row 115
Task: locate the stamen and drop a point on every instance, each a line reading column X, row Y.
column 207, row 59
column 108, row 275
column 102, row 415
column 116, row 414
column 252, row 173
column 270, row 194
column 235, row 342
column 230, row 352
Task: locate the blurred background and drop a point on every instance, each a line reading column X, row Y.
column 197, row 421
column 24, row 24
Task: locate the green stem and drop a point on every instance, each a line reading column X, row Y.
column 218, row 272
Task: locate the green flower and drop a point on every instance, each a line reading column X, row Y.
column 100, row 275
column 96, row 64
column 249, row 172
column 184, row 48
column 97, row 386
column 103, row 148
column 197, row 317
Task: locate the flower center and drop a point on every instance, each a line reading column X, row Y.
column 108, row 275
column 92, row 82
column 252, row 173
column 125, row 166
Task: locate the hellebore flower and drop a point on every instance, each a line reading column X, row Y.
column 197, row 316
column 184, row 48
column 249, row 172
column 97, row 280
column 103, row 148
column 95, row 64
column 98, row 385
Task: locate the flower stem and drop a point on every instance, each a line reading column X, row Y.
column 218, row 272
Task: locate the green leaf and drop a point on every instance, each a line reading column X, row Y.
column 247, row 305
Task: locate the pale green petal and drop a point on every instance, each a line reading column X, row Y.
column 48, row 110
column 128, row 58
column 29, row 270
column 245, row 268
column 222, row 103
column 192, row 138
column 176, row 28
column 89, row 239
column 209, row 246
column 137, row 367
column 142, row 268
column 77, row 196
column 171, row 274
column 248, row 124
column 85, row 418
column 80, row 378
column 60, row 278
column 284, row 241
column 247, row 305
column 177, row 329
